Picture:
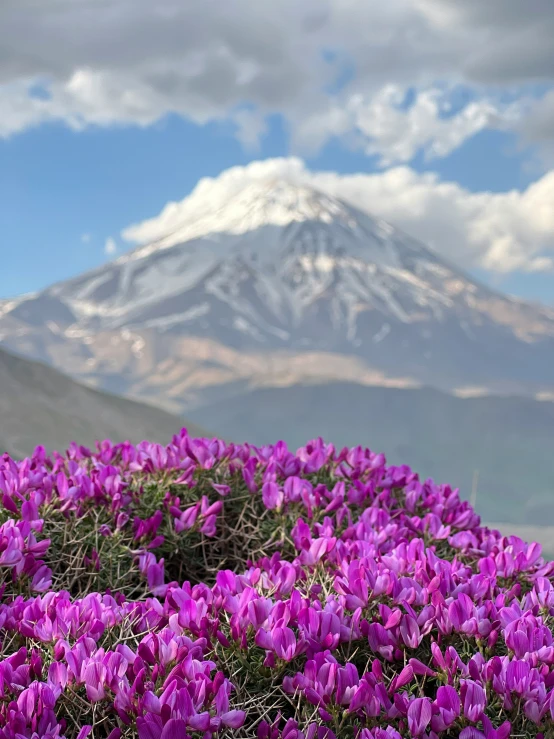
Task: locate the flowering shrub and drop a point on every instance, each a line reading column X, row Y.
column 207, row 590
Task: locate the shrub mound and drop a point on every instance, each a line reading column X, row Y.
column 206, row 589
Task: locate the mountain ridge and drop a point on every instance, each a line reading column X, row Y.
column 41, row 406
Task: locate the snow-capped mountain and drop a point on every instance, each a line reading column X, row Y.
column 268, row 264
column 281, row 267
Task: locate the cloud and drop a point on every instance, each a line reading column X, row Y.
column 385, row 126
column 512, row 39
column 85, row 238
column 498, row 232
column 250, row 127
column 110, row 247
column 134, row 61
column 537, row 128
column 125, row 62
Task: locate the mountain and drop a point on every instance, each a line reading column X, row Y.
column 284, row 312
column 506, row 441
column 39, row 405
column 281, row 275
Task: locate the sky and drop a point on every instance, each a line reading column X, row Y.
column 433, row 114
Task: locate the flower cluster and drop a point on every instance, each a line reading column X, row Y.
column 206, row 589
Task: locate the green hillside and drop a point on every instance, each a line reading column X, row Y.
column 39, row 405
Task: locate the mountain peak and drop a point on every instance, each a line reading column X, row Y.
column 274, row 201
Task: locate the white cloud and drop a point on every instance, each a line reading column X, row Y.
column 499, row 232
column 134, row 61
column 110, row 247
column 85, row 238
column 86, row 98
column 399, row 134
column 384, row 126
column 250, row 127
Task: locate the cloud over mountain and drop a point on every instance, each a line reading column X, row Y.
column 498, row 232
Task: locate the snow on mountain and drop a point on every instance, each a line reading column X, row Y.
column 281, row 266
column 287, row 245
column 268, row 202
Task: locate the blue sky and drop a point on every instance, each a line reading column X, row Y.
column 101, row 138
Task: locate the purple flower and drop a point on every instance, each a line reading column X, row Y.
column 272, row 495
column 448, row 705
column 419, row 715
column 94, row 677
column 284, row 643
column 473, row 698
column 42, row 579
column 488, row 732
column 208, row 527
column 221, row 489
column 409, row 629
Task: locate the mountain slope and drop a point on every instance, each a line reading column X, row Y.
column 282, row 267
column 39, row 405
column 509, row 441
